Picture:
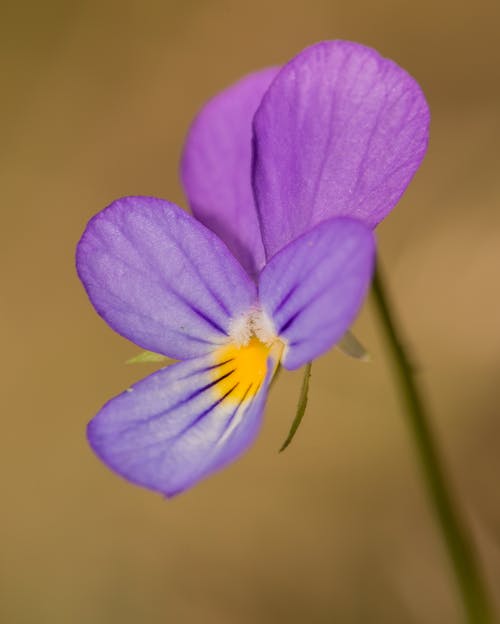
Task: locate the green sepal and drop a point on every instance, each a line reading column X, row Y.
column 350, row 345
column 146, row 357
column 301, row 406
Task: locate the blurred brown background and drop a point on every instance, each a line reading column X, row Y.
column 96, row 99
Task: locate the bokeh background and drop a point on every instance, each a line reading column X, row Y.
column 96, row 99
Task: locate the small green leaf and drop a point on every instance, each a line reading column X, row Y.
column 301, row 406
column 147, row 356
column 350, row 345
column 277, row 373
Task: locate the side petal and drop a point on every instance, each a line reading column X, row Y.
column 216, row 167
column 160, row 278
column 340, row 132
column 313, row 288
column 179, row 424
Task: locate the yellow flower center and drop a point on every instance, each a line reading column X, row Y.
column 240, row 370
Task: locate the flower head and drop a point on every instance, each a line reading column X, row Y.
column 280, row 271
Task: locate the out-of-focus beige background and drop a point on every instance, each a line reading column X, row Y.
column 96, row 99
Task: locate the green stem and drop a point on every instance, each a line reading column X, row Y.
column 458, row 543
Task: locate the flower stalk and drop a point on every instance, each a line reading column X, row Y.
column 456, row 537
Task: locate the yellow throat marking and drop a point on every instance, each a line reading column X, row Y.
column 240, row 370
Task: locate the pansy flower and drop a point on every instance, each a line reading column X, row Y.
column 287, row 172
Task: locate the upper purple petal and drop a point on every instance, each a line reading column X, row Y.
column 174, row 427
column 340, row 132
column 216, row 167
column 160, row 278
column 313, row 288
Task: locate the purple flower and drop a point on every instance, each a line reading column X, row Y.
column 280, row 271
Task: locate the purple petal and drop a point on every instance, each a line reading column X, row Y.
column 178, row 425
column 216, row 167
column 160, row 278
column 340, row 132
column 313, row 288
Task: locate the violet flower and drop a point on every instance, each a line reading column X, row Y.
column 273, row 268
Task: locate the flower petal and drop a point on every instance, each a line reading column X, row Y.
column 313, row 288
column 160, row 278
column 216, row 167
column 181, row 423
column 340, row 132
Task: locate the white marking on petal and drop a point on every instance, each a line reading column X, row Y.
column 263, row 327
column 240, row 329
column 254, row 323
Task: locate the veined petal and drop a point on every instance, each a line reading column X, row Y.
column 313, row 288
column 160, row 278
column 185, row 421
column 340, row 132
column 216, row 167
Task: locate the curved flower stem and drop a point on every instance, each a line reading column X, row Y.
column 458, row 543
